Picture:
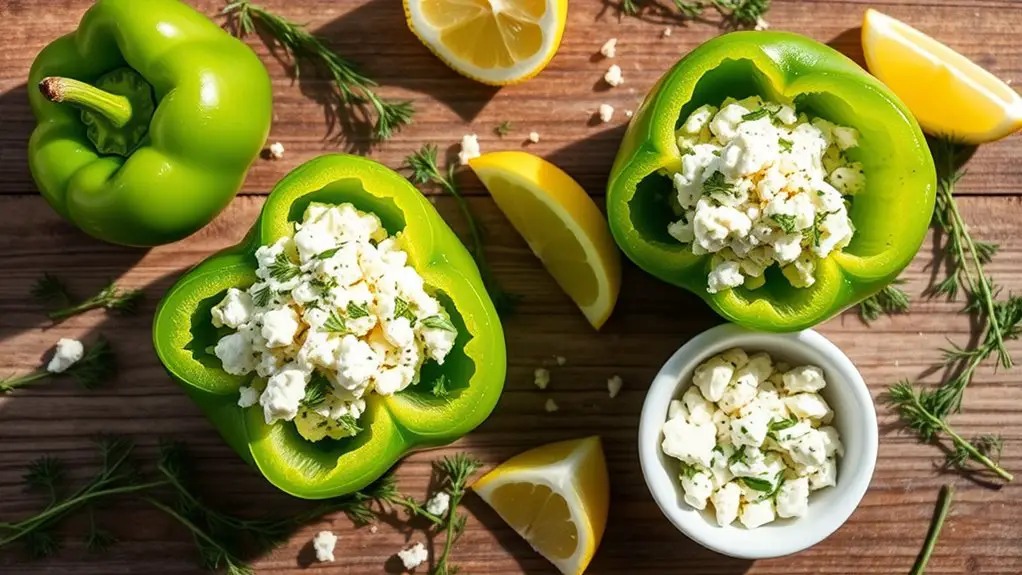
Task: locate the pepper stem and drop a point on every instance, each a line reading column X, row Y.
column 116, row 109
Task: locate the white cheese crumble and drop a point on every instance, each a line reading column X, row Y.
column 609, row 48
column 606, row 113
column 469, row 149
column 541, row 377
column 439, row 503
column 324, row 543
column 762, row 185
column 335, row 314
column 534, row 137
column 614, row 385
column 67, row 353
column 413, row 556
column 613, row 76
column 550, row 406
column 753, row 438
column 276, row 150
column 666, row 32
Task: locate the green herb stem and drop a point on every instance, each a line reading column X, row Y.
column 936, row 524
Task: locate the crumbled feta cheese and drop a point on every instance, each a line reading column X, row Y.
column 550, row 406
column 613, row 76
column 247, row 396
column 697, row 486
column 760, row 185
column 726, row 501
column 534, row 137
column 756, row 451
column 629, row 113
column 691, row 443
column 666, row 32
column 806, row 378
column 439, row 503
column 807, row 405
column 609, row 48
column 606, row 113
column 614, row 385
column 757, row 513
column 276, row 150
column 761, row 24
column 541, row 377
column 324, row 543
column 413, row 556
column 337, row 305
column 67, row 353
column 469, row 149
column 560, row 360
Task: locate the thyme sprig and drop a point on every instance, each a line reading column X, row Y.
column 96, row 366
column 888, row 301
column 911, row 406
column 352, row 88
column 425, row 170
column 50, row 290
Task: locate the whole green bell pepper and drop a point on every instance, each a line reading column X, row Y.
column 393, row 425
column 149, row 117
column 891, row 215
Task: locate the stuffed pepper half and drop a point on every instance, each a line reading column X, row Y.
column 350, row 327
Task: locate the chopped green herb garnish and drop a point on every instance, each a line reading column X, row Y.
column 349, row 424
column 763, row 485
column 756, row 115
column 716, row 184
column 356, row 311
column 261, row 297
column 786, row 222
column 316, row 391
column 335, row 323
column 402, row 309
column 786, row 145
column 327, row 254
column 504, row 128
column 283, row 269
column 439, row 322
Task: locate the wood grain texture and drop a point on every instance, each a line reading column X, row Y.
column 983, row 534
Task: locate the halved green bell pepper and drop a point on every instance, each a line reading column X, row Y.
column 891, row 215
column 392, row 426
column 149, row 118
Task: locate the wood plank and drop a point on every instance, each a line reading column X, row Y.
column 560, row 103
column 651, row 321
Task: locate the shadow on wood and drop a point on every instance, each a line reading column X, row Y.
column 19, row 122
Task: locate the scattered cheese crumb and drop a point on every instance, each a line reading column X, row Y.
column 469, row 149
column 541, row 377
column 561, row 360
column 609, row 48
column 629, row 113
column 276, row 150
column 666, row 33
column 606, row 113
column 762, row 24
column 248, row 396
column 613, row 76
column 324, row 543
column 614, row 385
column 68, row 352
column 551, row 406
column 373, row 528
column 439, row 504
column 534, row 137
column 413, row 556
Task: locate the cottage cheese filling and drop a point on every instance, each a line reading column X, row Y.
column 337, row 313
column 753, row 438
column 762, row 185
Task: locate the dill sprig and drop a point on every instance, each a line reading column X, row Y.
column 425, row 170
column 936, row 524
column 50, row 290
column 888, row 301
column 96, row 366
column 735, row 12
column 117, row 476
column 912, row 407
column 352, row 88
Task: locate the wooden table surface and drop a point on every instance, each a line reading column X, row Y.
column 983, row 534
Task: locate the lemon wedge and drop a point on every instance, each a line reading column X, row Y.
column 495, row 42
column 561, row 224
column 948, row 93
column 556, row 497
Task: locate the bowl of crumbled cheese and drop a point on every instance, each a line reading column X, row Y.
column 758, row 445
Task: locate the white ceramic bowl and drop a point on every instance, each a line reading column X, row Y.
column 854, row 417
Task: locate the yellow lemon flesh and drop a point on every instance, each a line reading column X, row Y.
column 949, row 94
column 556, row 497
column 492, row 41
column 561, row 224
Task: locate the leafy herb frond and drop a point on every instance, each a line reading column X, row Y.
column 96, row 366
column 351, row 87
column 403, row 309
column 888, row 301
column 335, row 323
column 357, row 311
column 716, row 184
column 425, row 170
column 283, row 269
column 50, row 289
column 736, row 12
column 504, row 128
column 786, row 222
column 317, row 390
column 439, row 322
